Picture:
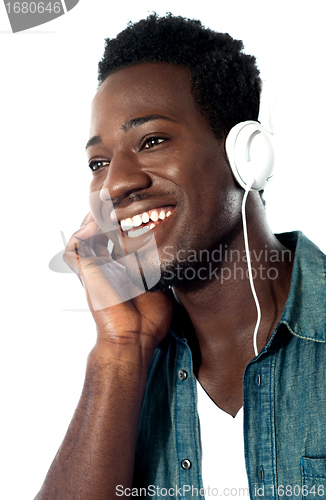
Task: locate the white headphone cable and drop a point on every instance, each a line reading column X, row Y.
column 245, row 235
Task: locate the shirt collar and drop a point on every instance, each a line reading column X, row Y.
column 304, row 312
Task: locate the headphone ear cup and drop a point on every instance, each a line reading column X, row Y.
column 251, row 154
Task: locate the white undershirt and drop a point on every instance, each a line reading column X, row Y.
column 223, row 462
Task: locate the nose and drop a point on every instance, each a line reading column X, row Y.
column 124, row 176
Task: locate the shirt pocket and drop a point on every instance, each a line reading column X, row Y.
column 313, row 472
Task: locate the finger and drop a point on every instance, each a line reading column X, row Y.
column 100, row 241
column 82, row 238
column 90, row 242
column 89, row 218
column 86, row 234
column 80, row 272
column 102, row 287
column 105, row 281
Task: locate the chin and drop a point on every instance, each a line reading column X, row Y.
column 182, row 276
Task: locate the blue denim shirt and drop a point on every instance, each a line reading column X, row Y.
column 284, row 402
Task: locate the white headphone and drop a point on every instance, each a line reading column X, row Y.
column 250, row 151
column 251, row 155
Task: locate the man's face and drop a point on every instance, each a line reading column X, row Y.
column 154, row 156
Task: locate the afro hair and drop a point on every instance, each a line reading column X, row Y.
column 225, row 81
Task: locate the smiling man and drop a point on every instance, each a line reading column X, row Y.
column 176, row 401
column 161, row 172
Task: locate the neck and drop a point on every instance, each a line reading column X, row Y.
column 223, row 311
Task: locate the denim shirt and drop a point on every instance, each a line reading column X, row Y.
column 284, row 402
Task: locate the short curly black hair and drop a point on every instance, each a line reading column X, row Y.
column 225, row 82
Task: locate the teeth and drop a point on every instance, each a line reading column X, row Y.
column 126, row 224
column 145, row 217
column 138, row 232
column 137, row 221
column 154, row 215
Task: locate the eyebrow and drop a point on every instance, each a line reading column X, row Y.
column 96, row 139
column 137, row 122
column 133, row 123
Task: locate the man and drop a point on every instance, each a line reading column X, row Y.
column 170, row 91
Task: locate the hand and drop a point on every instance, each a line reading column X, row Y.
column 123, row 312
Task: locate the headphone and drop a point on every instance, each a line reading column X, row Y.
column 250, row 151
column 251, row 155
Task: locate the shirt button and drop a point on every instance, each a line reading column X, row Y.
column 186, row 464
column 182, row 374
column 258, row 379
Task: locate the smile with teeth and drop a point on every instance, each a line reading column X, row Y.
column 144, row 221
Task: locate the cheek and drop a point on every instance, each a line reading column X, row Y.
column 102, row 211
column 95, row 204
column 98, row 179
column 215, row 198
column 209, row 182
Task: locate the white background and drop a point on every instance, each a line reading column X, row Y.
column 48, row 78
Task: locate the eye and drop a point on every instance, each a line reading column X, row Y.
column 97, row 164
column 153, row 141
